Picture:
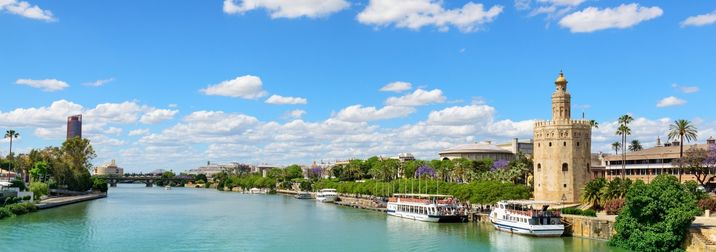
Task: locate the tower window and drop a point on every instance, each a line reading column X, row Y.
column 550, row 144
column 539, row 167
column 565, row 143
column 538, row 145
column 577, row 144
column 565, row 185
column 565, row 167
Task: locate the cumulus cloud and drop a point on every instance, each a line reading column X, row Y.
column 415, row 14
column 296, row 113
column 247, row 87
column 460, row 115
column 397, row 87
column 47, row 85
column 45, row 117
column 98, row 83
column 358, row 113
column 594, row 19
column 552, row 8
column 287, row 8
column 700, row 20
column 138, row 132
column 27, row 10
column 670, row 101
column 283, row 100
column 158, row 115
column 419, row 97
column 685, row 89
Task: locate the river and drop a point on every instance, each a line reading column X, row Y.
column 136, row 218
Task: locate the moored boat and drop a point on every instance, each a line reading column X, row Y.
column 426, row 207
column 519, row 217
column 327, row 195
column 303, row 195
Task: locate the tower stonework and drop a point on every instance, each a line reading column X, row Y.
column 562, row 151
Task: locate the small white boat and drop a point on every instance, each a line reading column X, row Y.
column 327, row 195
column 167, row 188
column 303, row 195
column 426, row 207
column 256, row 191
column 519, row 217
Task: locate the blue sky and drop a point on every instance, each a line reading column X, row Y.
column 478, row 70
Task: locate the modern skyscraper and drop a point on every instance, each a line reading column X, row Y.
column 562, row 151
column 74, row 126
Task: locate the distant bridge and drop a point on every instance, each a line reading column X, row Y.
column 147, row 180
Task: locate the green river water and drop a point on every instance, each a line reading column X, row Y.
column 135, row 218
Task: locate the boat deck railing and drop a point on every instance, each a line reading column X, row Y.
column 535, row 213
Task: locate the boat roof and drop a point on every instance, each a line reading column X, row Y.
column 422, row 195
column 531, row 202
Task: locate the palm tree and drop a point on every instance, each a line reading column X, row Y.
column 593, row 192
column 635, row 145
column 594, row 124
column 11, row 134
column 616, row 146
column 683, row 129
column 624, row 131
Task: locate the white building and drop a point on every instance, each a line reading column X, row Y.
column 108, row 169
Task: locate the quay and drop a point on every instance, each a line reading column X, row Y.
column 62, row 201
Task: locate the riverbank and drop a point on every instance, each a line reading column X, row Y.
column 67, row 200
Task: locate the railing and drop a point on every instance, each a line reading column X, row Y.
column 535, row 213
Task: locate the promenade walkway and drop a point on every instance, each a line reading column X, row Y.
column 61, row 201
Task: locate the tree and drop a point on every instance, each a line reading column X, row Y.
column 39, row 171
column 11, row 134
column 684, row 130
column 616, row 146
column 635, row 145
column 592, row 192
column 594, row 124
column 694, row 161
column 78, row 153
column 293, row 172
column 656, row 216
column 624, row 131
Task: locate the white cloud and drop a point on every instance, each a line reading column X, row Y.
column 358, row 113
column 98, row 83
column 397, row 87
column 419, row 97
column 670, row 101
column 685, row 89
column 283, row 100
column 27, row 10
column 460, row 115
column 47, row 85
column 552, row 8
column 113, row 131
column 288, row 8
column 138, row 132
column 45, row 117
column 595, row 19
column 247, row 87
column 158, row 115
column 700, row 20
column 415, row 14
column 296, row 113
column 125, row 112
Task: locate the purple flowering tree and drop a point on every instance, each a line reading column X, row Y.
column 425, row 171
column 499, row 165
column 315, row 173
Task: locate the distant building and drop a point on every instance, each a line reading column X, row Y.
column 109, row 169
column 648, row 163
column 517, row 146
column 74, row 126
column 264, row 168
column 477, row 151
column 211, row 169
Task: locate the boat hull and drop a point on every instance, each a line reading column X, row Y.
column 327, row 199
column 429, row 218
column 537, row 231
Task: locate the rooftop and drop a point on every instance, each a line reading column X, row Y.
column 483, row 147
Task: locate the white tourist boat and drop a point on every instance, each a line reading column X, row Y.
column 519, row 217
column 426, row 207
column 327, row 195
column 167, row 188
column 303, row 195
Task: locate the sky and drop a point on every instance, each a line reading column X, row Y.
column 174, row 84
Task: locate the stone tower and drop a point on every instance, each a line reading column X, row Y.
column 562, row 151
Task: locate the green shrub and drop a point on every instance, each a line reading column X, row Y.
column 589, row 212
column 656, row 216
column 11, row 200
column 4, row 212
column 21, row 208
column 39, row 189
column 99, row 184
column 19, row 184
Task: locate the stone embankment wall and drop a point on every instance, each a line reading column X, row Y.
column 698, row 240
column 588, row 227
